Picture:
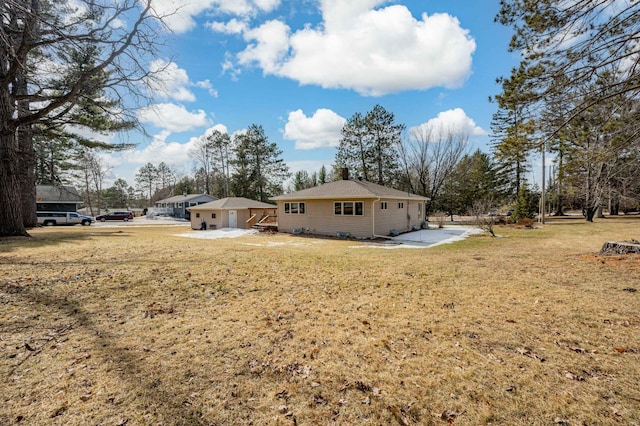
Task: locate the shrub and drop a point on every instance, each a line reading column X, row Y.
column 527, row 222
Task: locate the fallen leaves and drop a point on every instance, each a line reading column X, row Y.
column 152, row 311
column 529, row 353
column 398, row 415
column 320, row 400
column 575, row 377
column 449, row 416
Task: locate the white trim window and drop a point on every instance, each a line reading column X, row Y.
column 348, row 208
column 401, row 205
column 383, row 205
column 294, row 208
column 419, row 210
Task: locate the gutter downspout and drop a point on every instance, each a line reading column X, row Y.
column 373, row 223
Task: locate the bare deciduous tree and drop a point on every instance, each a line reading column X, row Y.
column 429, row 157
column 481, row 217
column 93, row 172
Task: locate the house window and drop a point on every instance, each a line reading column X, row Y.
column 419, row 209
column 197, row 214
column 401, row 205
column 383, row 205
column 294, row 208
column 213, row 215
column 179, row 204
column 348, row 208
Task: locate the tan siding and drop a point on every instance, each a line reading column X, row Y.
column 400, row 219
column 221, row 220
column 319, row 218
column 417, row 215
column 243, row 216
column 395, row 218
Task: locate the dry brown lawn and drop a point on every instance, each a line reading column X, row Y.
column 135, row 326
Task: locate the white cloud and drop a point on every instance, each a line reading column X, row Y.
column 372, row 51
column 173, row 117
column 206, row 84
column 172, row 153
column 310, row 166
column 321, row 130
column 169, row 81
column 179, row 15
column 270, row 47
column 219, row 127
column 453, row 122
column 234, row 26
column 175, row 154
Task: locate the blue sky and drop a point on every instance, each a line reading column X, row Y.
column 301, row 68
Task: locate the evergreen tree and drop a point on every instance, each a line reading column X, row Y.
column 368, row 146
column 513, row 126
column 186, row 185
column 220, row 144
column 258, row 169
column 386, row 135
column 354, row 149
column 475, row 179
column 526, row 206
column 117, row 194
column 322, row 175
column 147, row 179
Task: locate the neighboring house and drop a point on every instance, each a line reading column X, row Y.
column 50, row 198
column 177, row 206
column 354, row 208
column 233, row 212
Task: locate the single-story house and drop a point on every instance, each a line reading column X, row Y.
column 178, row 205
column 353, row 208
column 54, row 198
column 233, row 212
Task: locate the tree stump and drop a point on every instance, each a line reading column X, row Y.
column 620, row 247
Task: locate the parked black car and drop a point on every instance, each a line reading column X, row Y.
column 126, row 216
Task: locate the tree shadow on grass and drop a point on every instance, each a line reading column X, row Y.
column 128, row 366
column 9, row 244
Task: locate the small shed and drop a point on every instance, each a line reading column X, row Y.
column 50, row 198
column 234, row 212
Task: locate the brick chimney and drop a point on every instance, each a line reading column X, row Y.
column 345, row 173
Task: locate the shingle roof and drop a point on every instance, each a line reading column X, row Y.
column 184, row 198
column 343, row 189
column 232, row 203
column 50, row 193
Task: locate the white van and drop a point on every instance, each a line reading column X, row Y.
column 63, row 218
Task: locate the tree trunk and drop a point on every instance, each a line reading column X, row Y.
column 10, row 201
column 589, row 213
column 620, row 247
column 559, row 207
column 614, row 205
column 26, row 167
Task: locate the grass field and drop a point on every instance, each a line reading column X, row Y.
column 135, row 326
